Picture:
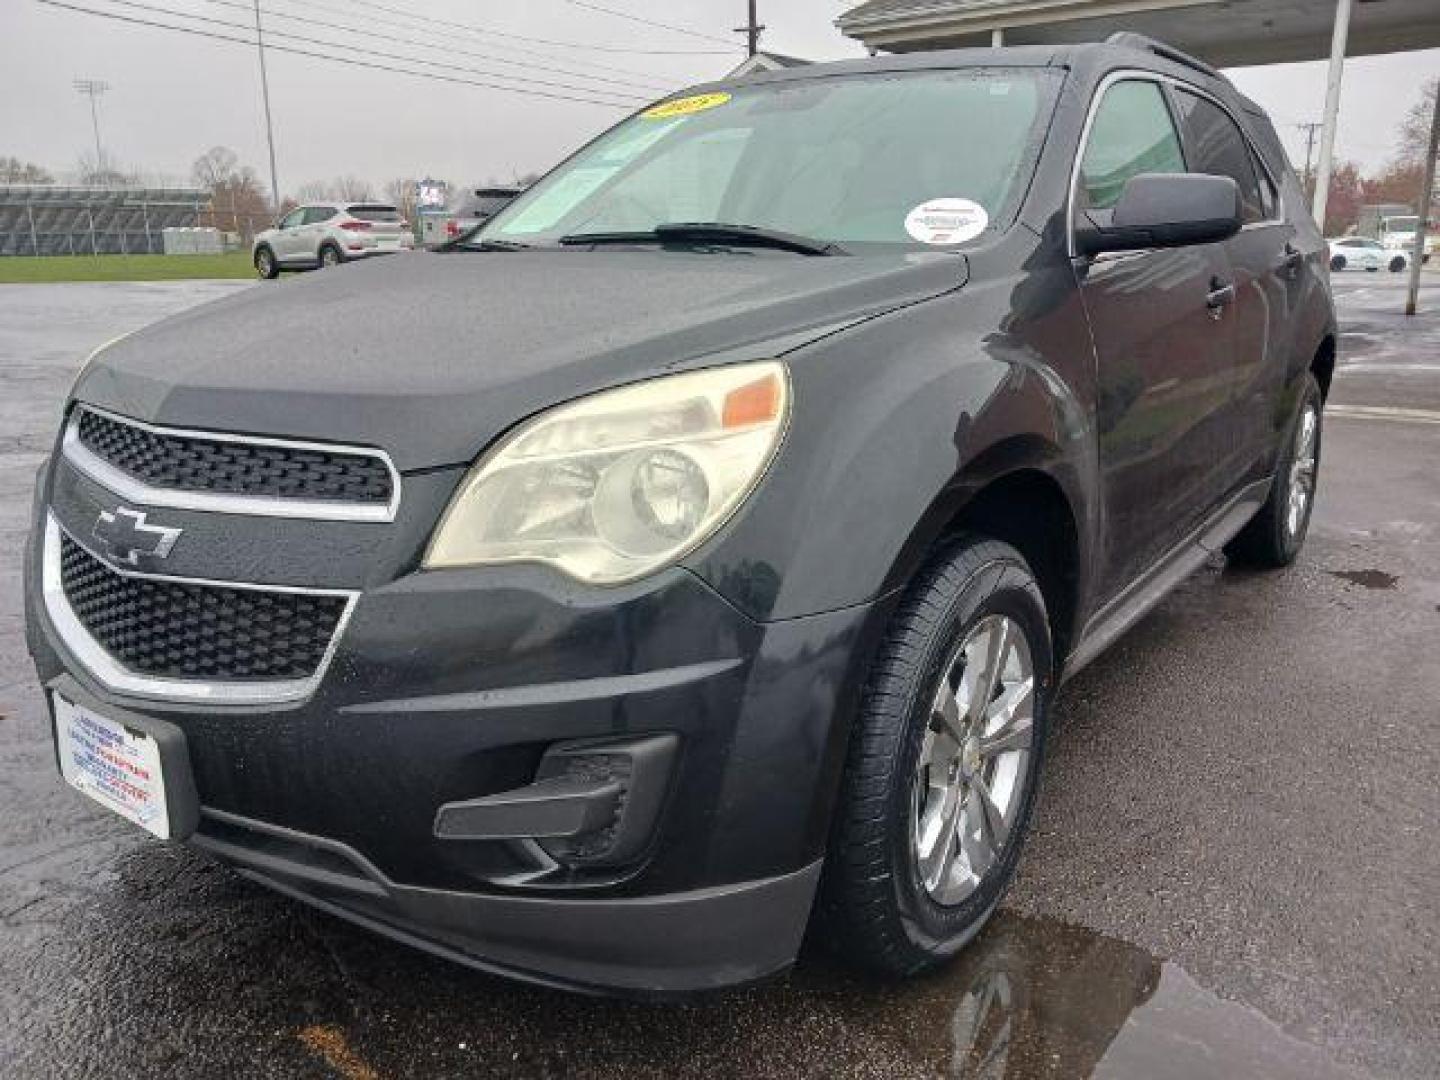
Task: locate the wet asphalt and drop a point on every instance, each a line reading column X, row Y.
column 1233, row 870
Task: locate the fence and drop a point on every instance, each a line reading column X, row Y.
column 47, row 219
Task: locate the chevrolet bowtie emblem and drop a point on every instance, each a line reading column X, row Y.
column 126, row 537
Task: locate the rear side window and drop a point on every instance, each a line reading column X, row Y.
column 375, row 213
column 1217, row 147
column 316, row 214
column 1132, row 133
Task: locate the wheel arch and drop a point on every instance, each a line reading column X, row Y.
column 1020, row 492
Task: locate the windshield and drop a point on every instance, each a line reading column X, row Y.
column 934, row 157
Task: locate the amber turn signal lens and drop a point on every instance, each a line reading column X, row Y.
column 754, row 403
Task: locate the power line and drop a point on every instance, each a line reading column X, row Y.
column 626, row 96
column 647, row 84
column 645, row 22
column 349, row 62
column 586, row 46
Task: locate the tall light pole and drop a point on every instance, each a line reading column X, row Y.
column 93, row 88
column 265, row 93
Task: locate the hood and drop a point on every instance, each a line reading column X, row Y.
column 432, row 356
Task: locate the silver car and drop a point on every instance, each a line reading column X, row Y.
column 327, row 234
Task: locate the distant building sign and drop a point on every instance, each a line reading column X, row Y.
column 431, row 194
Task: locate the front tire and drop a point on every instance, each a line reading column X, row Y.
column 265, row 264
column 1274, row 537
column 1337, row 262
column 1397, row 264
column 943, row 763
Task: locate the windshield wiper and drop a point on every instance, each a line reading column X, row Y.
column 711, row 232
column 466, row 242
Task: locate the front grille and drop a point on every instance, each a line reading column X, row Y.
column 179, row 630
column 197, row 463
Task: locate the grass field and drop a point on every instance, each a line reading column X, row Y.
column 53, row 268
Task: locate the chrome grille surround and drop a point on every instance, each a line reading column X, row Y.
column 133, row 488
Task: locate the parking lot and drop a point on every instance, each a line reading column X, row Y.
column 1233, row 869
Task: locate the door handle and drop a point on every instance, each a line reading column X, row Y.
column 1220, row 294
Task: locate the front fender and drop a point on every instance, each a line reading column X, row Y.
column 897, row 424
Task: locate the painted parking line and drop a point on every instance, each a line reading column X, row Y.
column 1381, row 412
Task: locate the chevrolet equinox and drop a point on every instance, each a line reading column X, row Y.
column 691, row 555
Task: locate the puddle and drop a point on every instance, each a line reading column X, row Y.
column 1369, row 579
column 1035, row 998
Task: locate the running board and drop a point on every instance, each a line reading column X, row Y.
column 1120, row 614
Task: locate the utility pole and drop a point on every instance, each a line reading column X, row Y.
column 1339, row 39
column 1427, row 191
column 1310, row 130
column 93, row 88
column 265, row 93
column 751, row 30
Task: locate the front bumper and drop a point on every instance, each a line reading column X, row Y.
column 448, row 687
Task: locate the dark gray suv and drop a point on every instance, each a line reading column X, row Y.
column 706, row 560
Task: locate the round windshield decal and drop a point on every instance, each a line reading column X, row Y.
column 685, row 106
column 946, row 221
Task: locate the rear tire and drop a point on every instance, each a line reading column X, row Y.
column 265, row 264
column 948, row 737
column 330, row 255
column 1397, row 264
column 1274, row 537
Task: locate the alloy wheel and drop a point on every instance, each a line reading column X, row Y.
column 974, row 764
column 1302, row 471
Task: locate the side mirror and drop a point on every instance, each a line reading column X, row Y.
column 1160, row 210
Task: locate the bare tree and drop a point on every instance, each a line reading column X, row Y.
column 352, row 188
column 15, row 171
column 103, row 171
column 237, row 201
column 345, row 188
column 400, row 193
column 1414, row 134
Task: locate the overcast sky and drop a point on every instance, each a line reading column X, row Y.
column 173, row 95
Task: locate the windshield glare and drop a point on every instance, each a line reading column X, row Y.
column 845, row 159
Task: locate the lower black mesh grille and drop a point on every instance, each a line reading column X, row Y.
column 191, row 463
column 176, row 630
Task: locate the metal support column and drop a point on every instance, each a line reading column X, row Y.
column 34, row 243
column 997, row 37
column 1338, row 41
column 1417, row 256
column 91, row 215
column 145, row 217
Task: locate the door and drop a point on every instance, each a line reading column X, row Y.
column 313, row 231
column 1162, row 336
column 1266, row 266
column 287, row 240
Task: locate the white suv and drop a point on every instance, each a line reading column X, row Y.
column 327, row 234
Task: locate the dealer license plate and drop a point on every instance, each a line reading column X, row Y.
column 116, row 766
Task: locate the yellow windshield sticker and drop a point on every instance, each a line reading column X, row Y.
column 685, row 106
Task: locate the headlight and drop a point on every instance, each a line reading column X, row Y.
column 622, row 483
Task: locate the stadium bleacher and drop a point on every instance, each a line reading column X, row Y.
column 52, row 219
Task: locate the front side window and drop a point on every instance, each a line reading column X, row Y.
column 293, row 218
column 1132, row 133
column 840, row 159
column 316, row 214
column 1218, row 148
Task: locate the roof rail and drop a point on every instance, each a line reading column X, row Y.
column 1130, row 40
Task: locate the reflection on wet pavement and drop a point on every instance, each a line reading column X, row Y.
column 168, row 963
column 1037, row 998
